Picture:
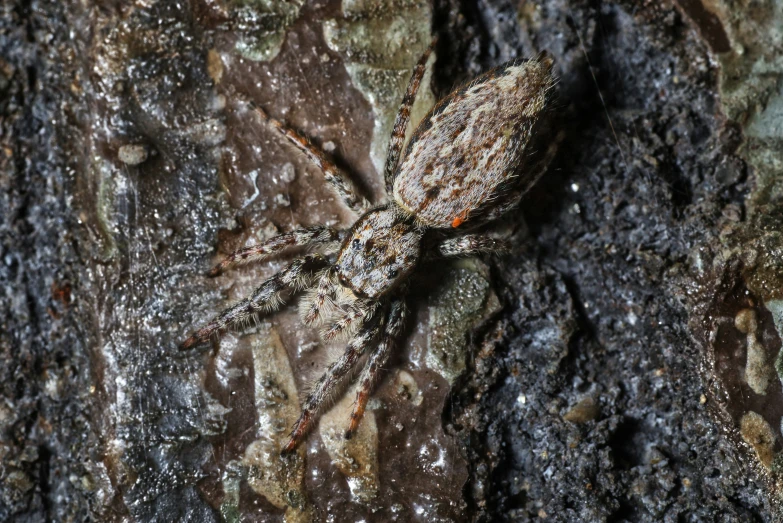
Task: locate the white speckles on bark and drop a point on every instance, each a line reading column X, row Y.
column 278, row 478
column 262, row 25
column 357, row 458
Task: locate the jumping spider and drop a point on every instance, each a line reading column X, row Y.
column 469, row 161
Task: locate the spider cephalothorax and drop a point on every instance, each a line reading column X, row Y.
column 469, row 160
column 381, row 250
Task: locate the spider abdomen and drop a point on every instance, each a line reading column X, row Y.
column 476, row 145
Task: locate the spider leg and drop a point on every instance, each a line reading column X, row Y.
column 363, row 310
column 326, row 385
column 324, row 291
column 403, row 117
column 374, row 365
column 339, row 181
column 266, row 298
column 470, row 245
column 275, row 244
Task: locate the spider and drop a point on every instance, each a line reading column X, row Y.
column 469, row 161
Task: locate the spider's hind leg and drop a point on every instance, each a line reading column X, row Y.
column 266, row 298
column 372, row 369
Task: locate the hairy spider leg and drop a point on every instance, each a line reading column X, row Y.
column 403, row 117
column 471, row 245
column 372, row 369
column 298, row 237
column 325, row 291
column 325, row 387
column 361, row 310
column 335, row 176
column 266, row 298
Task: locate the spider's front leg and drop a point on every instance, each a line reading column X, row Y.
column 395, row 326
column 266, row 298
column 323, row 302
column 298, row 237
column 335, row 176
column 403, row 117
column 324, row 388
column 361, row 310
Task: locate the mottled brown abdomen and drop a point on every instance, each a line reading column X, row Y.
column 477, row 145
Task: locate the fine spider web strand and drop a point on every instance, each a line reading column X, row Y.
column 140, row 362
column 298, row 237
column 403, row 117
column 266, row 298
column 600, row 94
column 324, row 389
column 374, row 365
column 336, row 177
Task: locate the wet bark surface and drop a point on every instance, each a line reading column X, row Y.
column 617, row 365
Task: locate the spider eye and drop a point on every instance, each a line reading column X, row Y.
column 356, row 243
column 393, row 273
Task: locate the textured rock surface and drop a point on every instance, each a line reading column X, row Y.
column 606, row 372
